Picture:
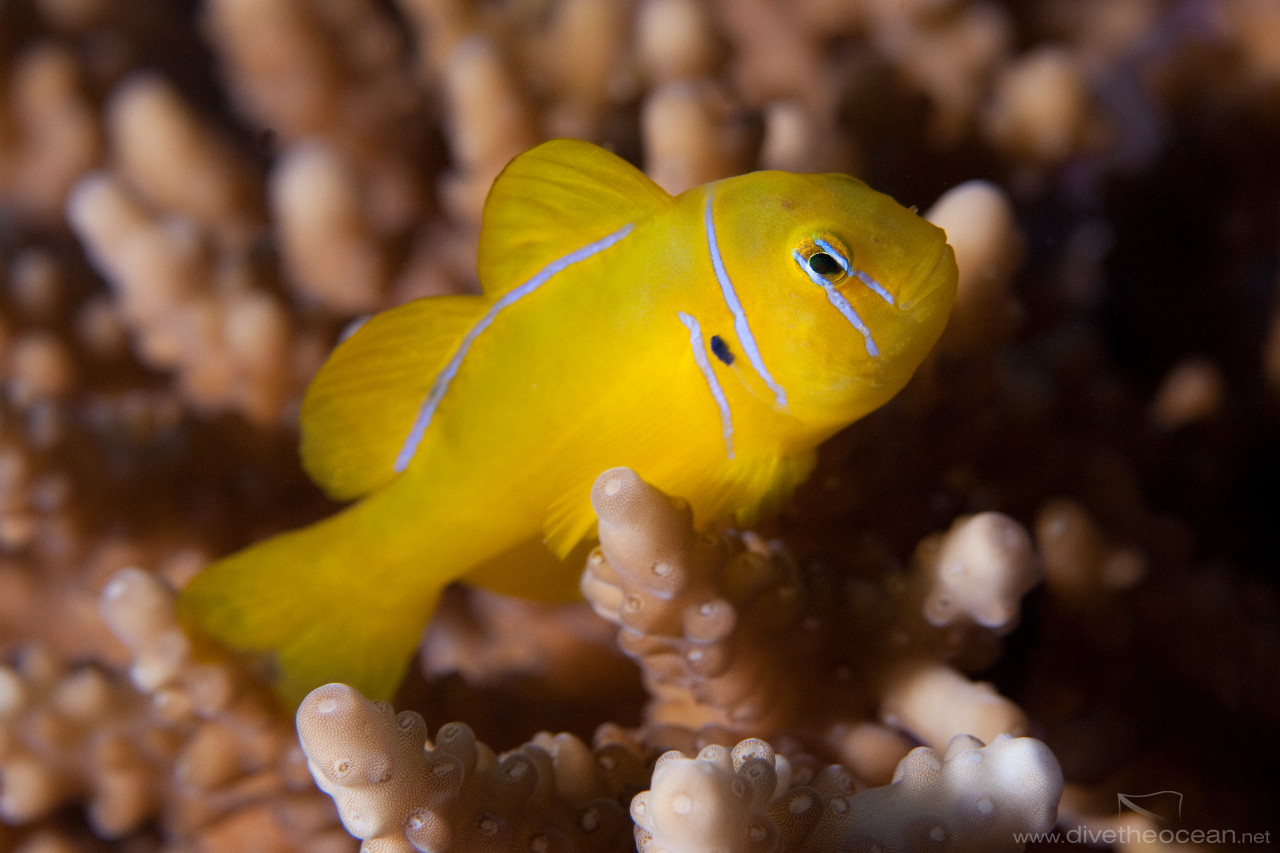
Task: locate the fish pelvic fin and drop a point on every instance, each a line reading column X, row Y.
column 315, row 608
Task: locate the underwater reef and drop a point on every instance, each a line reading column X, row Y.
column 1035, row 588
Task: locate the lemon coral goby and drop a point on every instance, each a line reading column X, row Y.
column 709, row 341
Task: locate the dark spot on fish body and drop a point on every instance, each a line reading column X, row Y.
column 721, row 349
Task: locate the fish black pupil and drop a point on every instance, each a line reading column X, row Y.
column 721, row 349
column 823, row 264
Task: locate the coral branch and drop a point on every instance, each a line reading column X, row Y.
column 731, row 638
column 717, row 622
column 396, row 790
column 970, row 798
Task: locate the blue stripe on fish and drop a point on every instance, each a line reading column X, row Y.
column 740, row 325
column 441, row 384
column 873, row 285
column 709, row 374
column 841, row 304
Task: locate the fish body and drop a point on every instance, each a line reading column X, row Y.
column 710, row 341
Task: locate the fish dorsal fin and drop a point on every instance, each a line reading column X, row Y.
column 362, row 405
column 556, row 198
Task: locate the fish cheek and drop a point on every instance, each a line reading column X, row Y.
column 809, row 350
column 836, row 373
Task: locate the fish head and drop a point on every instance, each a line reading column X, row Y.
column 843, row 290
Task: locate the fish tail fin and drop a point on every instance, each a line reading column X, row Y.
column 317, row 607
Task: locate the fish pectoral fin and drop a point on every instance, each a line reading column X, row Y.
column 765, row 485
column 553, row 199
column 570, row 521
column 362, row 405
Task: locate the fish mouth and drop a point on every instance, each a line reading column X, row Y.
column 928, row 277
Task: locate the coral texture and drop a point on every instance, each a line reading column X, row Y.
column 713, row 619
column 972, row 798
column 196, row 745
column 396, row 790
column 733, row 638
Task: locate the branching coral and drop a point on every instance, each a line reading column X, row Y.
column 398, row 791
column 1041, row 109
column 80, row 734
column 175, row 161
column 727, row 629
column 62, row 743
column 50, row 134
column 715, row 620
column 971, row 798
column 190, row 310
column 196, row 744
column 977, row 573
column 979, row 221
column 1080, row 564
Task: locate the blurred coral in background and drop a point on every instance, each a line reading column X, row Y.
column 1062, row 534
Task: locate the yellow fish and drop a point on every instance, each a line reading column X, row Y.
column 710, row 341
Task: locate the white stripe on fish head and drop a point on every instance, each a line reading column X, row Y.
column 740, row 326
column 837, row 299
column 845, row 264
column 708, row 373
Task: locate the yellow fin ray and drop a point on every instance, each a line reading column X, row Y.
column 556, row 198
column 607, row 436
column 361, row 406
column 760, row 489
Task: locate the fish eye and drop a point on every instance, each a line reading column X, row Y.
column 823, row 259
column 823, row 264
